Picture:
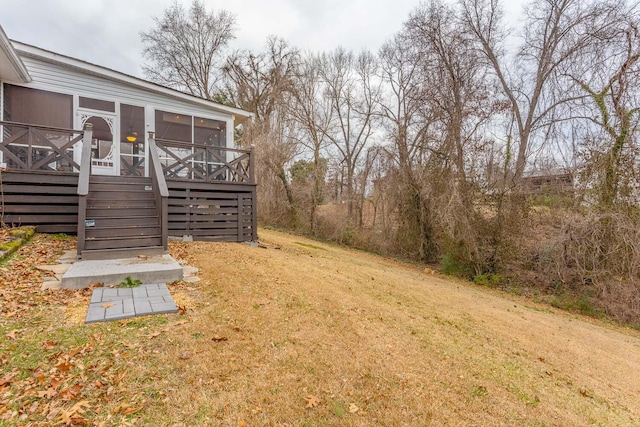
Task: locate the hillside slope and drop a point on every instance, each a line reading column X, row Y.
column 381, row 343
column 301, row 333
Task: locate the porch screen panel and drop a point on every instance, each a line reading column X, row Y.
column 209, row 133
column 38, row 107
column 97, row 104
column 132, row 140
column 50, row 149
column 174, row 132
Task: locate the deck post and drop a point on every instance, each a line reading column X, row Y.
column 83, row 185
column 160, row 189
column 254, row 195
column 164, row 219
column 252, row 168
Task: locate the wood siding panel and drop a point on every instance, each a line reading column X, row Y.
column 210, row 211
column 48, row 201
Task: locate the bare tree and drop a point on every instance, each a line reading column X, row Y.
column 276, row 147
column 459, row 104
column 403, row 103
column 313, row 113
column 185, row 48
column 352, row 90
column 554, row 32
column 608, row 72
column 408, row 120
column 262, row 83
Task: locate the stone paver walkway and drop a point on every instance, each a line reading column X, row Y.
column 122, row 303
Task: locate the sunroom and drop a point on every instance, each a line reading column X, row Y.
column 120, row 161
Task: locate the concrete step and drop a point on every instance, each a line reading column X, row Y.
column 154, row 269
column 100, row 254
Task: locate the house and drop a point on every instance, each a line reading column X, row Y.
column 548, row 181
column 120, row 161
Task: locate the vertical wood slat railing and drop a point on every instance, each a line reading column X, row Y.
column 83, row 185
column 159, row 188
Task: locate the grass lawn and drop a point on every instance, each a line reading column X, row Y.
column 301, row 333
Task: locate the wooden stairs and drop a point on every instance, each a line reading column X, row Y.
column 122, row 219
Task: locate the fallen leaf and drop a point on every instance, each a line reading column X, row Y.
column 12, row 335
column 49, row 345
column 49, row 393
column 586, row 393
column 71, row 392
column 65, row 418
column 312, row 401
column 218, row 338
column 155, row 334
column 353, row 408
column 80, row 407
column 185, row 355
column 108, row 304
column 74, row 415
column 7, row 379
column 125, row 409
column 64, row 367
column 55, row 383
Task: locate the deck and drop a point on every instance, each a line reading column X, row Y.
column 202, row 191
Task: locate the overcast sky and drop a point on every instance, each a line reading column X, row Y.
column 107, row 32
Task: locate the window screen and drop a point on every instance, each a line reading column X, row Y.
column 97, row 104
column 38, row 107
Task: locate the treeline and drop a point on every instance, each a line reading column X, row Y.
column 507, row 152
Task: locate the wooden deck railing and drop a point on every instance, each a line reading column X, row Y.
column 159, row 188
column 39, row 148
column 199, row 162
column 83, row 185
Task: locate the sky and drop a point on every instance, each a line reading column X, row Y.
column 107, row 32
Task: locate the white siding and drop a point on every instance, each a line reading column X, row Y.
column 56, row 78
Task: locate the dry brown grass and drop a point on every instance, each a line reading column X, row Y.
column 377, row 342
column 270, row 327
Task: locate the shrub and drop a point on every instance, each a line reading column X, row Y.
column 487, row 279
column 454, row 264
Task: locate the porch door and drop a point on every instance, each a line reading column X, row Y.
column 104, row 147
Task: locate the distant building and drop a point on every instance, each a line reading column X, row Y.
column 548, row 181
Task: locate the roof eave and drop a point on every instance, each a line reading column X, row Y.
column 8, row 51
column 240, row 116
